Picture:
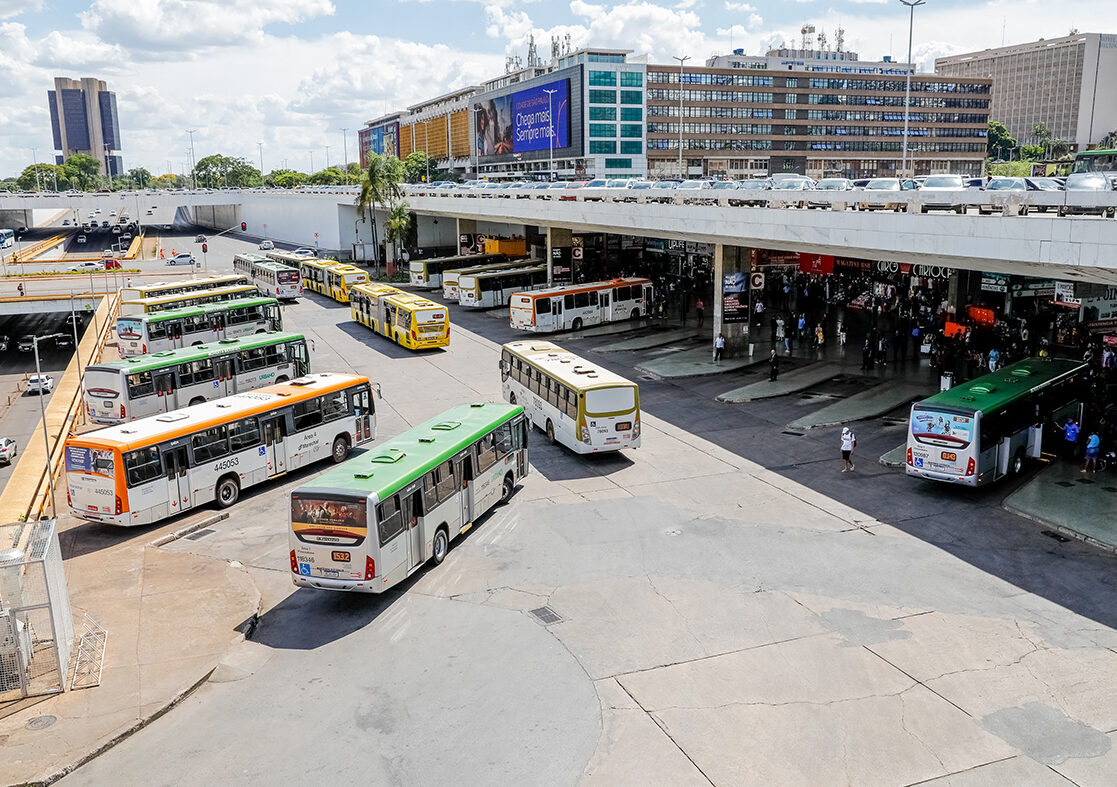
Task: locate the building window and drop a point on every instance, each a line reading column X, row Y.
column 630, row 114
column 792, row 98
column 632, row 79
column 602, row 147
column 789, row 114
column 603, row 113
column 603, row 97
column 603, row 78
column 632, row 147
column 634, row 130
column 792, row 82
column 599, row 58
column 603, row 129
column 632, row 97
column 618, row 163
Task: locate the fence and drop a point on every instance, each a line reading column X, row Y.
column 36, row 624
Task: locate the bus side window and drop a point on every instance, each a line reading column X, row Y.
column 542, row 305
column 581, row 300
column 534, row 373
column 552, row 392
column 333, row 405
column 211, row 444
column 502, row 437
column 360, row 399
column 140, row 384
column 203, row 371
column 274, row 355
column 593, row 298
column 430, row 494
column 142, row 465
column 571, row 403
column 244, row 434
column 307, row 414
column 621, row 294
column 389, row 519
column 568, row 302
column 486, row 453
column 446, row 483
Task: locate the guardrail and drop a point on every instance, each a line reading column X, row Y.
column 41, row 247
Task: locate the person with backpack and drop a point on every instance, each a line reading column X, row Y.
column 849, row 442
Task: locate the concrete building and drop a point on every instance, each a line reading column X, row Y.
column 380, row 136
column 83, row 119
column 440, row 128
column 1069, row 83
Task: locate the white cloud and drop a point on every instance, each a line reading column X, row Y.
column 506, row 24
column 731, row 6
column 864, row 2
column 12, row 8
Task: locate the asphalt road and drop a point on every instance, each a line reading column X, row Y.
column 732, row 609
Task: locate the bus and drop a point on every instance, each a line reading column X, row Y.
column 148, row 470
column 274, row 279
column 145, row 385
column 330, row 277
column 494, row 288
column 372, row 522
column 984, row 429
column 427, row 274
column 210, row 322
column 407, row 318
column 290, row 258
column 188, row 298
column 572, row 306
column 574, row 402
column 450, row 276
column 7, row 239
column 135, row 292
column 1095, row 161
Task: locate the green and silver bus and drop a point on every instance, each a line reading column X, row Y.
column 376, row 519
column 1095, row 161
column 985, row 429
column 209, row 322
column 145, row 385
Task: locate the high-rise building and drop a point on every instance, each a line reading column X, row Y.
column 1068, row 83
column 84, row 119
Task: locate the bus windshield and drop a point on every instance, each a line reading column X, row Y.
column 941, row 428
column 428, row 316
column 328, row 520
column 600, row 401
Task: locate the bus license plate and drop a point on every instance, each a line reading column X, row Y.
column 332, row 573
column 623, row 426
column 949, row 456
column 339, row 557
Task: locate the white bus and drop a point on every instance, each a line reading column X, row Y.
column 148, row 470
column 380, row 517
column 573, row 306
column 146, row 385
column 271, row 278
column 182, row 300
column 427, row 274
column 160, row 289
column 494, row 288
column 585, row 407
column 210, row 322
column 450, row 276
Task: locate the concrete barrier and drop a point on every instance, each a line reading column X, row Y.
column 42, row 247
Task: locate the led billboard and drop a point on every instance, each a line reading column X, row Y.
column 521, row 122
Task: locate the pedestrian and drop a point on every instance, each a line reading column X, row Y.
column 719, row 348
column 849, row 442
column 781, row 335
column 819, row 337
column 20, row 289
column 1070, row 438
column 802, row 325
column 994, row 359
column 773, row 366
column 841, row 334
column 916, row 340
column 700, row 310
column 1093, row 447
column 866, row 355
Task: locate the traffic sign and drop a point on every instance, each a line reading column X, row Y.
column 756, row 281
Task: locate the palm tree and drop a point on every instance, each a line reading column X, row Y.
column 397, row 225
column 380, row 186
column 1109, row 141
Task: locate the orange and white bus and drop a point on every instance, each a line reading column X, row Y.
column 156, row 467
column 578, row 305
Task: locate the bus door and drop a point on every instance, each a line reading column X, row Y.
column 362, row 410
column 174, row 333
column 603, row 300
column 223, row 382
column 465, row 473
column 557, row 320
column 275, row 449
column 519, row 445
column 165, row 391
column 176, row 464
column 412, row 508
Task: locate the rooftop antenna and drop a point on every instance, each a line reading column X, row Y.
column 567, row 48
column 532, row 52
column 555, row 48
column 822, row 41
column 806, row 32
column 1004, row 24
column 840, row 38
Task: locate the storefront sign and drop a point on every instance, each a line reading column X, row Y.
column 908, row 269
column 816, row 263
column 734, row 299
column 1033, row 288
column 1100, row 312
column 991, row 282
column 1064, row 294
column 577, row 247
column 561, row 270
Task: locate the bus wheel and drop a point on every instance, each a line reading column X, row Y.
column 281, row 379
column 550, row 432
column 228, row 490
column 577, row 324
column 1018, row 462
column 197, row 400
column 511, row 398
column 507, row 489
column 340, row 450
column 440, row 546
column 635, row 314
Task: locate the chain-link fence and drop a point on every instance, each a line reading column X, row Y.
column 36, row 625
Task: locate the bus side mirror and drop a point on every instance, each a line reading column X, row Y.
column 378, row 394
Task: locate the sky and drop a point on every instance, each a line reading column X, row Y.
column 291, row 74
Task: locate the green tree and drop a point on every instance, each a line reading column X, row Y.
column 83, row 171
column 396, row 225
column 140, row 177
column 416, row 167
column 1109, row 141
column 1031, row 152
column 380, row 186
column 1043, row 136
column 42, row 177
column 354, row 171
column 999, row 143
column 1060, row 148
column 285, row 179
column 331, row 176
column 217, row 170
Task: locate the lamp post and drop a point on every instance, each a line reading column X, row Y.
column 43, row 414
column 550, row 132
column 260, row 146
column 77, row 351
column 476, row 142
column 911, row 4
column 327, row 156
column 35, row 164
column 681, row 60
column 345, row 152
column 193, row 163
column 311, row 152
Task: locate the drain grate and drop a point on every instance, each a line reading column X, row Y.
column 1057, row 536
column 546, row 615
column 200, row 534
column 1110, row 489
column 40, row 722
column 1085, row 481
column 1064, row 484
column 793, row 434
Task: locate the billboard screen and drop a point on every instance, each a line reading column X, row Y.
column 521, row 122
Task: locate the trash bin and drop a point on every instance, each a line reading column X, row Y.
column 946, row 381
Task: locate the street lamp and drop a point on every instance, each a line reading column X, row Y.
column 476, row 142
column 327, row 156
column 193, row 163
column 345, row 152
column 911, row 4
column 43, row 414
column 682, row 60
column 260, row 145
column 311, row 152
column 35, row 164
column 550, row 133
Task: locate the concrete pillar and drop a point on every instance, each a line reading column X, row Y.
column 559, row 241
column 465, row 227
column 729, row 260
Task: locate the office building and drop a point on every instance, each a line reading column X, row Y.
column 84, row 119
column 380, row 136
column 1069, row 83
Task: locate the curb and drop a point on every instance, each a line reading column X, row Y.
column 1061, row 529
column 209, row 520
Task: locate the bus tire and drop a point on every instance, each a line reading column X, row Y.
column 260, row 330
column 511, row 398
column 1017, row 466
column 227, row 492
column 550, row 432
column 282, row 378
column 340, row 449
column 440, row 545
column 197, row 400
column 577, row 324
column 634, row 315
column 507, row 488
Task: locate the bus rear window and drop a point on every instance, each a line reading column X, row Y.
column 428, row 316
column 129, row 329
column 932, row 427
column 600, row 401
column 320, row 520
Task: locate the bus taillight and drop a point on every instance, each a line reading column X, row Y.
column 970, row 467
column 909, row 458
column 121, row 411
column 143, row 349
column 294, row 563
column 370, row 568
column 119, row 505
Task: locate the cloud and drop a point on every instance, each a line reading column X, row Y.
column 731, row 6
column 12, row 8
column 506, row 24
column 865, row 2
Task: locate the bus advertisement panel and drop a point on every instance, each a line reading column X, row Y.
column 319, row 520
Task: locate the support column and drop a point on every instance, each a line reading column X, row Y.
column 731, row 309
column 466, row 227
column 559, row 268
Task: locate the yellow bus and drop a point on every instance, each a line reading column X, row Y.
column 340, row 277
column 183, row 300
column 408, row 319
column 313, row 273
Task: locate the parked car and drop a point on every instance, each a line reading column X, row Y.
column 40, row 384
column 755, row 185
column 789, row 190
column 933, row 185
column 1081, row 182
column 830, row 184
column 26, row 343
column 595, row 190
column 1006, row 187
column 880, row 193
column 88, row 265
column 305, row 251
column 4, row 342
column 663, row 191
column 7, row 450
column 182, row 258
column 266, row 245
column 1043, row 184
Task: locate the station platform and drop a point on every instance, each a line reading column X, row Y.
column 1081, row 505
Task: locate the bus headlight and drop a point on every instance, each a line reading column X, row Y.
column 585, row 434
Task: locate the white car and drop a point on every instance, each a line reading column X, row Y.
column 7, row 450
column 81, row 239
column 40, row 384
column 266, row 245
column 183, row 258
column 88, row 265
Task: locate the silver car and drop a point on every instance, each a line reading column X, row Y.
column 1081, row 182
column 941, row 183
column 7, row 450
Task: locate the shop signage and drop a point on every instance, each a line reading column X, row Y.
column 676, row 245
column 1033, row 288
column 756, row 281
column 816, row 263
column 561, row 270
column 1064, row 294
column 734, row 299
column 908, row 269
column 577, row 247
column 1101, row 311
column 991, row 282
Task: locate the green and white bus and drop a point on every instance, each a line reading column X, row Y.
column 985, row 429
column 1099, row 160
column 209, row 322
column 373, row 521
column 159, row 382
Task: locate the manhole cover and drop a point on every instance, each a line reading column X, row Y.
column 546, row 615
column 201, row 534
column 40, row 722
column 1085, row 481
column 1057, row 536
column 1110, row 489
column 1064, row 483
